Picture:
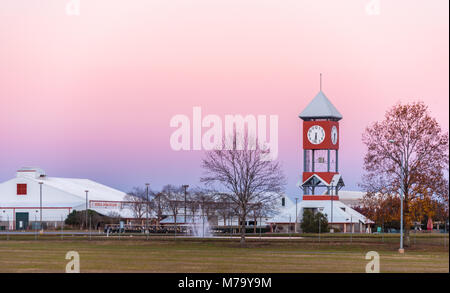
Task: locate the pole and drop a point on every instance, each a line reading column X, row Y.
column 319, row 228
column 146, row 221
column 296, row 215
column 35, row 231
column 331, row 222
column 62, row 228
column 87, row 191
column 351, row 227
column 7, row 233
column 185, row 193
column 401, row 205
column 40, row 206
column 401, row 250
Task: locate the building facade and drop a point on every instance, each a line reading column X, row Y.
column 32, row 197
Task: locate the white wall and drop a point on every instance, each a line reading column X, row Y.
column 55, row 202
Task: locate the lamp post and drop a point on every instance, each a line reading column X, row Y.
column 87, row 191
column 146, row 220
column 296, row 215
column 320, row 219
column 401, row 249
column 7, row 234
column 331, row 220
column 185, row 192
column 35, row 230
column 40, row 205
column 351, row 227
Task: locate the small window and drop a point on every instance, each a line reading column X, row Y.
column 21, row 189
column 283, row 202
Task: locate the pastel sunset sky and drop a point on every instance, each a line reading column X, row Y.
column 91, row 96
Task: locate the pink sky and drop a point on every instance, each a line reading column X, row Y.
column 92, row 95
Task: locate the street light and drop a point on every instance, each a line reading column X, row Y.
column 146, row 221
column 331, row 222
column 296, row 215
column 401, row 250
column 40, row 205
column 351, row 228
column 185, row 192
column 87, row 191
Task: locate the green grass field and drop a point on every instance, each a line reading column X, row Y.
column 165, row 254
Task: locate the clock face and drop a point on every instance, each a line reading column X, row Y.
column 316, row 134
column 334, row 135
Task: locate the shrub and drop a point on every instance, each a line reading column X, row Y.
column 311, row 220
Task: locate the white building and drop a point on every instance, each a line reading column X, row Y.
column 20, row 198
column 343, row 217
column 351, row 198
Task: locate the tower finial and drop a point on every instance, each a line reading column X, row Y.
column 321, row 81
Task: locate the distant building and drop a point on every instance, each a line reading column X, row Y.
column 20, row 199
column 351, row 198
column 345, row 218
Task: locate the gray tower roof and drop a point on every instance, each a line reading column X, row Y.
column 320, row 108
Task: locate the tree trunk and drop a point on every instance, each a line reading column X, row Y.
column 242, row 235
column 175, row 221
column 242, row 227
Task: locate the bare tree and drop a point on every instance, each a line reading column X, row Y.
column 192, row 205
column 406, row 151
column 159, row 206
column 225, row 208
column 113, row 217
column 261, row 210
column 136, row 202
column 173, row 200
column 242, row 170
column 206, row 201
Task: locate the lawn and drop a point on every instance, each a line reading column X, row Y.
column 134, row 254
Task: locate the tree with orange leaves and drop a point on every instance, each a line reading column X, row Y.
column 407, row 152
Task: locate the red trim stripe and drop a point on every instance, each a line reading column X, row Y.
column 320, row 197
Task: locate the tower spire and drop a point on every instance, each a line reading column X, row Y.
column 321, row 81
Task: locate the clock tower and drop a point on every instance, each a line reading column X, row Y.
column 321, row 179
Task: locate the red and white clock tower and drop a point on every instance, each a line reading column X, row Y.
column 321, row 179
